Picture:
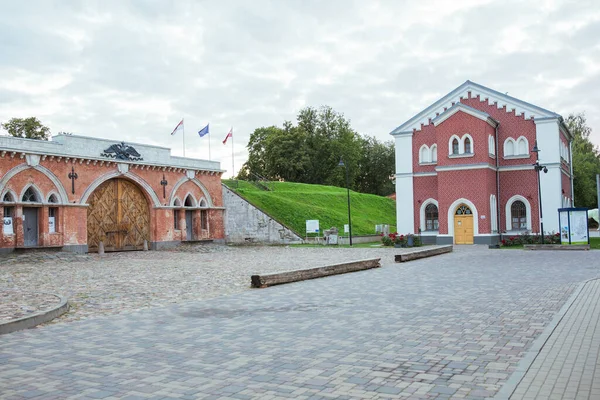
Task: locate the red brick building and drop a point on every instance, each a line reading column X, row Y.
column 464, row 168
column 73, row 192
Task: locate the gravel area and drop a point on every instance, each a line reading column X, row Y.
column 130, row 281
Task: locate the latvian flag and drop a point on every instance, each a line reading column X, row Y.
column 178, row 127
column 229, row 135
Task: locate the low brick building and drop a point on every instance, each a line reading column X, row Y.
column 464, row 168
column 73, row 192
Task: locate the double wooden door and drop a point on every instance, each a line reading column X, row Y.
column 118, row 215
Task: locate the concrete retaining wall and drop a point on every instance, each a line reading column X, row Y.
column 262, row 281
column 245, row 223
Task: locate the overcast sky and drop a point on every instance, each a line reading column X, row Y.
column 130, row 70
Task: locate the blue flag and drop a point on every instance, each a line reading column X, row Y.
column 203, row 131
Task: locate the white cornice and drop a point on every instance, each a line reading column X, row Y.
column 461, row 167
column 467, row 110
column 491, row 96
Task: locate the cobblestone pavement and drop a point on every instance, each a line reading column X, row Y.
column 129, row 281
column 567, row 365
column 452, row 326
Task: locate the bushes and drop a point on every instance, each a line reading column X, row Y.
column 394, row 239
column 528, row 238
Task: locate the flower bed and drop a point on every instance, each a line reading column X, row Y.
column 397, row 240
column 528, row 238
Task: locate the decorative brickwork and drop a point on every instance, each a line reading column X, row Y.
column 478, row 167
column 24, row 163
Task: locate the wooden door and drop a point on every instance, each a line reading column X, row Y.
column 30, row 226
column 463, row 226
column 118, row 214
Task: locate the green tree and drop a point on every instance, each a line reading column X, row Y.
column 376, row 167
column 586, row 162
column 30, row 128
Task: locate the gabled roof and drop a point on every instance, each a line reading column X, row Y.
column 484, row 93
column 466, row 109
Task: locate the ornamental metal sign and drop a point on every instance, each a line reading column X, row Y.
column 122, row 151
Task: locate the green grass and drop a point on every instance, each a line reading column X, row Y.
column 293, row 203
column 595, row 243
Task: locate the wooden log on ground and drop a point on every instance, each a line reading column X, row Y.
column 263, row 281
column 422, row 253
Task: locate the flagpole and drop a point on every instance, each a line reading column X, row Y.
column 232, row 165
column 183, row 136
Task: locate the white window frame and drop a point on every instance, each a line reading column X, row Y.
column 433, row 151
column 509, row 214
column 424, row 155
column 522, row 139
column 491, row 145
column 422, row 223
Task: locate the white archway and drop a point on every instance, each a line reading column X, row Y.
column 452, row 210
column 422, row 213
column 508, row 213
column 38, row 193
column 193, row 200
column 64, row 198
column 197, row 183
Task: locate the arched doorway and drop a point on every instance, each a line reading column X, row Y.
column 118, row 214
column 463, row 225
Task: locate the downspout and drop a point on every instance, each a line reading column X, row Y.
column 498, row 186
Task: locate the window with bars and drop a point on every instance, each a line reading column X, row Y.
column 518, row 214
column 467, row 145
column 176, row 220
column 431, row 217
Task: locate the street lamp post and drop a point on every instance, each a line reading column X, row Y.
column 538, row 167
column 343, row 164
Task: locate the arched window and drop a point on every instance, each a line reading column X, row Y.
column 52, row 198
column 189, row 201
column 203, row 203
column 467, row 145
column 463, row 210
column 30, row 196
column 431, row 217
column 424, row 154
column 434, row 153
column 177, row 202
column 518, row 213
column 455, row 146
column 8, row 198
column 522, row 146
column 509, row 148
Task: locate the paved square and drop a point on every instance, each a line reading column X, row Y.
column 453, row 326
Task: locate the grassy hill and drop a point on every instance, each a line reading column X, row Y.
column 294, row 203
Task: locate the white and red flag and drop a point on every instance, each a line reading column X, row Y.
column 178, row 127
column 229, row 135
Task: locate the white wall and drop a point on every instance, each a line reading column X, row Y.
column 405, row 216
column 548, row 140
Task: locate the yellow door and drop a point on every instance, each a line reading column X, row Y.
column 463, row 226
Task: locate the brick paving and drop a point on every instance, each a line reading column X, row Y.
column 131, row 281
column 453, row 326
column 567, row 365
